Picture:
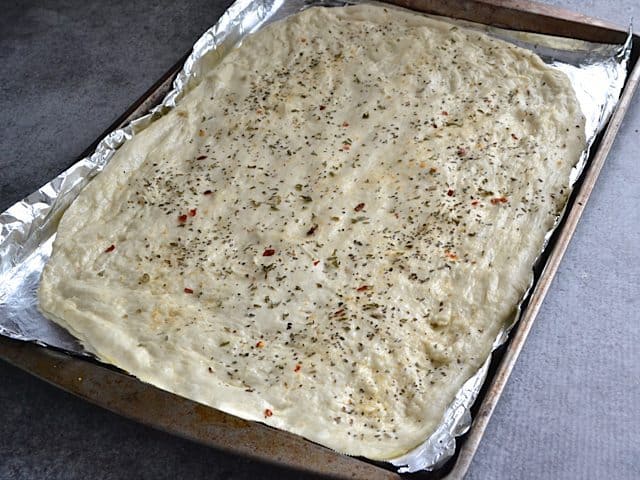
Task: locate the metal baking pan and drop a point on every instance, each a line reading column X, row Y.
column 115, row 390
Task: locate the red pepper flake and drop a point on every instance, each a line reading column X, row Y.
column 444, row 112
column 345, row 124
column 207, row 192
column 497, row 200
column 462, row 152
column 192, row 212
column 513, row 135
column 298, row 368
column 359, row 207
column 316, row 262
column 362, row 288
column 450, row 193
column 110, row 248
column 475, row 202
column 201, row 157
column 260, row 344
column 269, row 252
column 345, row 146
column 187, row 290
column 451, row 255
column 322, row 107
column 267, row 413
column 182, row 219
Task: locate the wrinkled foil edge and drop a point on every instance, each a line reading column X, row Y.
column 27, row 229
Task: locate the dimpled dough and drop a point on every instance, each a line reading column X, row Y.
column 329, row 230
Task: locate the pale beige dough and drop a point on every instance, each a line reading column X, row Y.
column 328, row 232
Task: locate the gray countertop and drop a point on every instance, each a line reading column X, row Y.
column 571, row 408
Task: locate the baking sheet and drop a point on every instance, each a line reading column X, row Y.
column 28, row 228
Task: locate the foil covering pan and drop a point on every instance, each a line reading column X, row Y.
column 28, row 228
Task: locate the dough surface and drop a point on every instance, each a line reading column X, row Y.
column 328, row 231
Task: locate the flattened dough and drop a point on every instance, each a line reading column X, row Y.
column 328, row 232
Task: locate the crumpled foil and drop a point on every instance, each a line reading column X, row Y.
column 28, row 228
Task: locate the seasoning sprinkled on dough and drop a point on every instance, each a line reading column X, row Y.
column 333, row 225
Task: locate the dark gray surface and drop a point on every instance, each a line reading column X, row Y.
column 571, row 408
column 49, row 434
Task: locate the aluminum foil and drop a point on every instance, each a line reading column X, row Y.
column 27, row 229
